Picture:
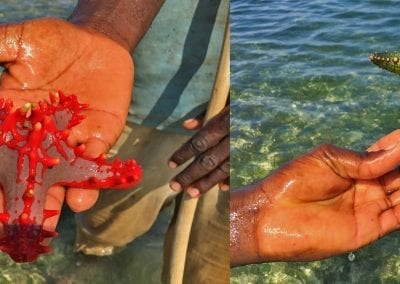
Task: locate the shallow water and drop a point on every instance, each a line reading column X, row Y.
column 140, row 262
column 301, row 76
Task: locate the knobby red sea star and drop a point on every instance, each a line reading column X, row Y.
column 35, row 155
column 387, row 60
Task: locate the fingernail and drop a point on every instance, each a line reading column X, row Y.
column 175, row 186
column 190, row 120
column 172, row 165
column 193, row 192
column 224, row 187
column 190, row 123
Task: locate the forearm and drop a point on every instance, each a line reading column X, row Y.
column 244, row 209
column 125, row 21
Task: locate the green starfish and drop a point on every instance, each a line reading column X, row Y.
column 387, row 60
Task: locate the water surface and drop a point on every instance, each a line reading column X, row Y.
column 300, row 77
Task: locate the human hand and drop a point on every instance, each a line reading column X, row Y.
column 47, row 55
column 210, row 149
column 327, row 202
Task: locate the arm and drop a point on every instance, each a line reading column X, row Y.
column 124, row 21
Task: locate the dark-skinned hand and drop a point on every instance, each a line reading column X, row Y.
column 210, row 149
column 47, row 55
column 327, row 202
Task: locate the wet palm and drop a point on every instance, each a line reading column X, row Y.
column 50, row 55
column 47, row 55
column 330, row 201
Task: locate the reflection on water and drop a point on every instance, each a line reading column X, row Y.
column 301, row 76
column 140, row 262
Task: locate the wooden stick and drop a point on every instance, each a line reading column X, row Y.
column 188, row 205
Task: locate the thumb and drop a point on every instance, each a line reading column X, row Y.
column 10, row 42
column 15, row 55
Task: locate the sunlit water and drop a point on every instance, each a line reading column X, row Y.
column 140, row 262
column 301, row 77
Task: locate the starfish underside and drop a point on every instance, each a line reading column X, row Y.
column 35, row 155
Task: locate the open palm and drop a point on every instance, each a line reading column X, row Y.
column 48, row 55
column 330, row 201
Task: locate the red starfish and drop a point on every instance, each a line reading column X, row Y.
column 33, row 141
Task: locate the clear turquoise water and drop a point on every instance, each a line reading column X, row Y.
column 140, row 262
column 300, row 76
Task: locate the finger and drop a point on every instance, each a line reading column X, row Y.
column 379, row 163
column 2, row 208
column 10, row 36
column 225, row 185
column 390, row 219
column 375, row 222
column 79, row 199
column 98, row 131
column 386, row 142
column 209, row 136
column 207, row 182
column 356, row 165
column 2, row 203
column 391, row 181
column 94, row 144
column 54, row 201
column 395, row 198
column 194, row 123
column 11, row 46
column 203, row 165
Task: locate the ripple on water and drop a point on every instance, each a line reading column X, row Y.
column 301, row 76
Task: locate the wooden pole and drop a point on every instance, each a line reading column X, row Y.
column 188, row 205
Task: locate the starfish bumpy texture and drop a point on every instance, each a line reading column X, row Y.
column 35, row 155
column 389, row 61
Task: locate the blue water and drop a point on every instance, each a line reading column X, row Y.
column 300, row 76
column 140, row 262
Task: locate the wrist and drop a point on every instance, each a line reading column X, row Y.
column 96, row 25
column 244, row 216
column 123, row 21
